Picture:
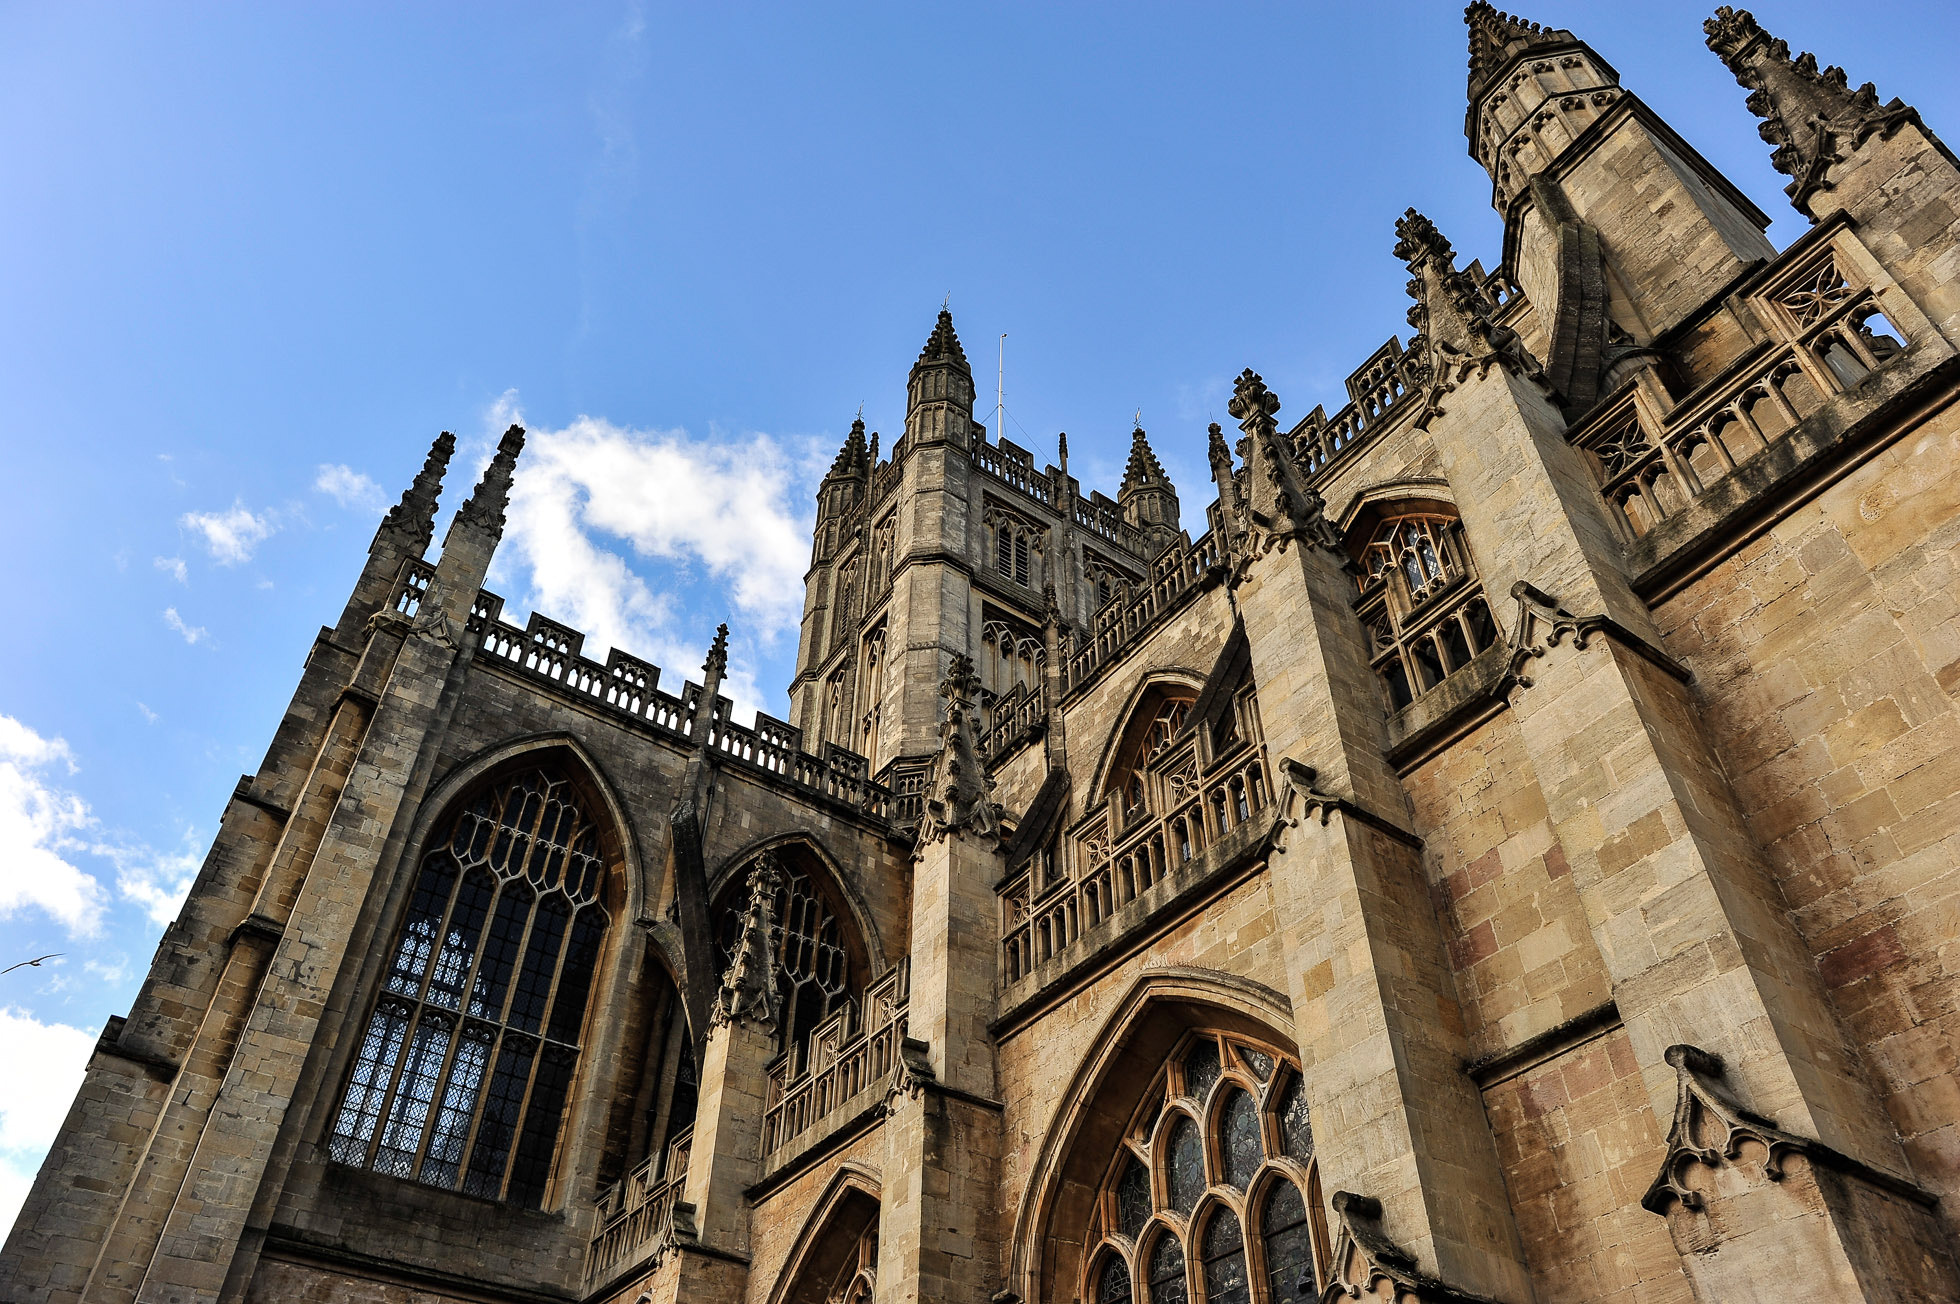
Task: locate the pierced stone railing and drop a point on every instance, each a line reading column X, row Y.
column 1829, row 335
column 1103, row 517
column 549, row 653
column 1118, row 854
column 906, row 781
column 1172, row 575
column 411, row 586
column 1014, row 468
column 1011, row 718
column 1375, row 391
column 633, row 1211
column 847, row 1055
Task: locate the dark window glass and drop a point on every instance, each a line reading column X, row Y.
column 429, row 1087
column 1224, row 1256
column 1289, row 1246
column 1187, row 1165
column 1429, row 665
column 1201, row 1067
column 1167, row 1272
column 1239, row 1121
column 1483, row 630
column 1296, row 1130
column 1398, row 682
column 1133, row 1198
column 1454, row 645
column 1113, row 1286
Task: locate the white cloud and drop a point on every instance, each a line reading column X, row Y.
column 34, row 1101
column 38, row 823
column 149, row 716
column 193, row 634
column 348, row 487
column 723, row 506
column 231, row 535
column 156, row 880
column 174, row 567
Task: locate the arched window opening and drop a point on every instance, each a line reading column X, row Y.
column 1016, row 545
column 821, row 963
column 463, row 1071
column 837, row 1262
column 1421, row 603
column 1211, row 1192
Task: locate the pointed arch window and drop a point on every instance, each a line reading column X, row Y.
column 820, row 960
column 1211, row 1191
column 1421, row 603
column 464, row 1069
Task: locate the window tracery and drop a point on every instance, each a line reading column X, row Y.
column 1421, row 604
column 820, row 964
column 463, row 1070
column 1209, row 1193
column 1010, row 656
column 1015, row 547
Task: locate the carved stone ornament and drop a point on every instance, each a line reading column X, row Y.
column 1711, row 1129
column 485, row 509
column 1542, row 623
column 1455, row 332
column 1367, row 1264
column 960, row 800
column 1304, row 798
column 912, row 1071
column 431, row 623
column 1276, row 506
column 748, row 990
column 1811, row 115
column 677, row 1228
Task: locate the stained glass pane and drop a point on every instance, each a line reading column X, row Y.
column 1258, row 1061
column 498, row 1129
column 1114, row 1285
column 500, row 952
column 413, row 1096
column 1296, row 1130
column 1239, row 1121
column 540, row 964
column 1224, row 1255
column 1289, row 1246
column 419, row 933
column 1201, row 1067
column 459, row 940
column 1167, row 1284
column 1186, row 1178
column 360, row 1108
column 1133, row 1198
column 444, row 1157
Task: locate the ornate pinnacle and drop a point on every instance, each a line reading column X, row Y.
column 943, row 345
column 717, row 663
column 853, row 458
column 1495, row 36
column 960, row 800
column 1417, row 241
column 1143, row 469
column 1812, row 116
column 411, row 523
column 485, row 509
column 748, row 990
column 1253, row 405
column 1455, row 331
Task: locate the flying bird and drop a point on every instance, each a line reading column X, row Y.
column 30, row 964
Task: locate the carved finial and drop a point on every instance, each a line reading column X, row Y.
column 1455, row 331
column 1812, row 116
column 943, row 345
column 485, row 509
column 411, row 523
column 1496, row 36
column 717, row 663
column 853, row 459
column 1061, row 444
column 1252, row 405
column 748, row 990
column 1275, row 505
column 1144, row 471
column 960, row 800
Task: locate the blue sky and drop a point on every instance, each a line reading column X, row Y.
column 255, row 257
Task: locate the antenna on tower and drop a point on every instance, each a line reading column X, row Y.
column 1000, row 390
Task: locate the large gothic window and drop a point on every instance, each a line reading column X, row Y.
column 1421, row 603
column 463, row 1071
column 820, row 962
column 1208, row 1194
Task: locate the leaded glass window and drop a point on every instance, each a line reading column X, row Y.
column 1420, row 603
column 463, row 1070
column 819, row 962
column 1204, row 1197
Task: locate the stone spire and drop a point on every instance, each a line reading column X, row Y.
column 411, row 523
column 1233, row 509
column 1455, row 330
column 1281, row 506
column 961, row 798
column 748, row 990
column 1813, row 117
column 939, row 393
column 1497, row 37
column 854, row 458
column 484, row 511
column 1148, row 497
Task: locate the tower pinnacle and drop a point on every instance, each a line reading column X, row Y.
column 411, row 523
column 1496, row 37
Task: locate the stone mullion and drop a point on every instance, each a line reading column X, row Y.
column 1374, row 1003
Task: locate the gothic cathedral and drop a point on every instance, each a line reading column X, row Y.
column 1506, row 848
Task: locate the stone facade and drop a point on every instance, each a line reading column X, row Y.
column 1511, row 852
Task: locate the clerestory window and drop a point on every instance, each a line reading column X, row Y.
column 1422, row 606
column 820, row 962
column 1206, row 1197
column 464, row 1068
